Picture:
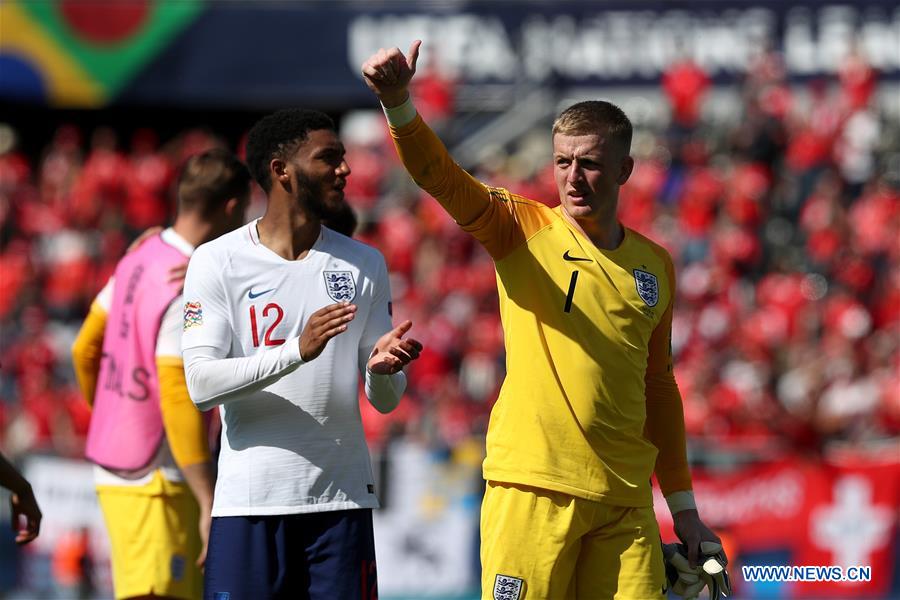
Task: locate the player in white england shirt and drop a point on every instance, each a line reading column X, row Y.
column 281, row 317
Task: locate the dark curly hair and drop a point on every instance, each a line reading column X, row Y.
column 278, row 136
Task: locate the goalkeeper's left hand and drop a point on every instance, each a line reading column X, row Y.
column 701, row 544
column 687, row 581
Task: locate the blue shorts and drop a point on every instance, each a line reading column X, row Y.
column 328, row 555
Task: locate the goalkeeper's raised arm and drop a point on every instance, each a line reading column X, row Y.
column 482, row 211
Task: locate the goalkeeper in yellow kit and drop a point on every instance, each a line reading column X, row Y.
column 589, row 396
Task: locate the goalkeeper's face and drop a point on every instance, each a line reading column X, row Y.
column 589, row 170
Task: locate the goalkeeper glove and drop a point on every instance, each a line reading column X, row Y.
column 688, row 582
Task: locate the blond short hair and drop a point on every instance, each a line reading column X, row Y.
column 595, row 116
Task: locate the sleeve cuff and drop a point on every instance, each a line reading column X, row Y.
column 398, row 116
column 393, row 379
column 680, row 501
column 292, row 352
column 384, row 391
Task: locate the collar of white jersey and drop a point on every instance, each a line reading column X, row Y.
column 173, row 239
column 253, row 232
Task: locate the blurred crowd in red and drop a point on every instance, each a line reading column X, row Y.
column 783, row 224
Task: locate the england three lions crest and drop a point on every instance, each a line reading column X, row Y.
column 340, row 285
column 507, row 587
column 647, row 287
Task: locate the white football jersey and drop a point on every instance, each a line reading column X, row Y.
column 292, row 438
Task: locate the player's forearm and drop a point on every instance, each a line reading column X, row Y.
column 184, row 425
column 87, row 352
column 384, row 391
column 432, row 168
column 665, row 413
column 665, row 430
column 212, row 380
column 201, row 478
column 11, row 479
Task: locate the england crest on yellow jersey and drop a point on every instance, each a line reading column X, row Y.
column 647, row 287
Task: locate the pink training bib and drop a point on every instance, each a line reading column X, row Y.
column 126, row 425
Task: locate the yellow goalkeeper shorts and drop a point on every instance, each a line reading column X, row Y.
column 154, row 538
column 541, row 544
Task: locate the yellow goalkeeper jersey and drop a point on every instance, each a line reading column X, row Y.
column 589, row 393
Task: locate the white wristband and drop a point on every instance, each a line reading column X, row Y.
column 679, row 501
column 398, row 116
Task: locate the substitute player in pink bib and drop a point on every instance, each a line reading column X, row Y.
column 154, row 473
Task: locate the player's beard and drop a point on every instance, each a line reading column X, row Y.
column 311, row 196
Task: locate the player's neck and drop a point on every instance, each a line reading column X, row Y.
column 604, row 231
column 288, row 231
column 194, row 231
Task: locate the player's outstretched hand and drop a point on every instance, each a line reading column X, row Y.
column 388, row 73
column 323, row 325
column 392, row 352
column 24, row 505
